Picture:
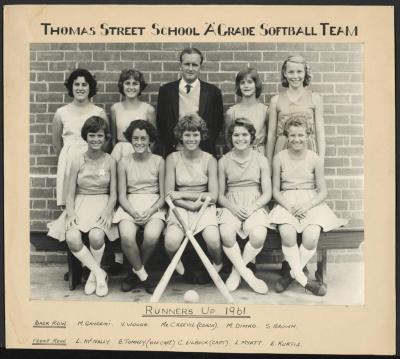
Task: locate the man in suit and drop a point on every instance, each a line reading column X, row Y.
column 189, row 94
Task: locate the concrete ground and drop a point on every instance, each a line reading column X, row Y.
column 345, row 287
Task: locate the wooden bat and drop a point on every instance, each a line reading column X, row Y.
column 203, row 257
column 162, row 284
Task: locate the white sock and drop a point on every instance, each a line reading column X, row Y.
column 118, row 258
column 292, row 255
column 250, row 253
column 98, row 253
column 141, row 273
column 305, row 255
column 87, row 259
column 180, row 268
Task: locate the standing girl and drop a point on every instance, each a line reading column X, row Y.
column 67, row 124
column 244, row 191
column 300, row 191
column 297, row 99
column 91, row 197
column 191, row 176
column 131, row 83
column 141, row 198
column 249, row 86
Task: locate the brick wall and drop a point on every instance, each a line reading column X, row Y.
column 337, row 76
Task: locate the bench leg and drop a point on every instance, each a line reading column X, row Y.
column 320, row 273
column 74, row 271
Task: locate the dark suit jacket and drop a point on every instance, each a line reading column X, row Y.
column 210, row 110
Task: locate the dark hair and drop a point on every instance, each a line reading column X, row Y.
column 241, row 75
column 298, row 60
column 90, row 79
column 296, row 120
column 242, row 122
column 191, row 122
column 131, row 73
column 95, row 124
column 141, row 125
column 189, row 51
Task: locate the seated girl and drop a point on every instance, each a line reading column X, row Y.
column 300, row 191
column 141, row 199
column 244, row 191
column 191, row 176
column 90, row 201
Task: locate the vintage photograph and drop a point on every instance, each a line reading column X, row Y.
column 210, row 172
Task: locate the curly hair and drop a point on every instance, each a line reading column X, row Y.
column 90, row 79
column 241, row 122
column 297, row 59
column 191, row 122
column 296, row 120
column 141, row 125
column 253, row 74
column 134, row 74
column 94, row 124
column 189, row 51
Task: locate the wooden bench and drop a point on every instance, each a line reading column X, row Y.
column 337, row 239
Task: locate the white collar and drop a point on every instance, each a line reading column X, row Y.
column 183, row 83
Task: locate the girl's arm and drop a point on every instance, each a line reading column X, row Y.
column 301, row 209
column 151, row 115
column 108, row 145
column 170, row 175
column 272, row 124
column 212, row 181
column 113, row 126
column 222, row 200
column 266, row 188
column 70, row 194
column 228, row 120
column 105, row 218
column 57, row 134
column 161, row 180
column 319, row 126
column 322, row 192
column 122, row 190
column 276, row 184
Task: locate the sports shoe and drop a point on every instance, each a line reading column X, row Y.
column 129, row 282
column 283, row 282
column 148, row 286
column 102, row 286
column 90, row 286
column 316, row 288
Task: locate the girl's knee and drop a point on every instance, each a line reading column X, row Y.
column 96, row 238
column 228, row 235
column 152, row 232
column 288, row 235
column 151, row 238
column 74, row 240
column 173, row 238
column 257, row 236
column 211, row 237
column 311, row 236
column 128, row 241
column 127, row 229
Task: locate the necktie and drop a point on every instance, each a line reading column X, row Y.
column 188, row 87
